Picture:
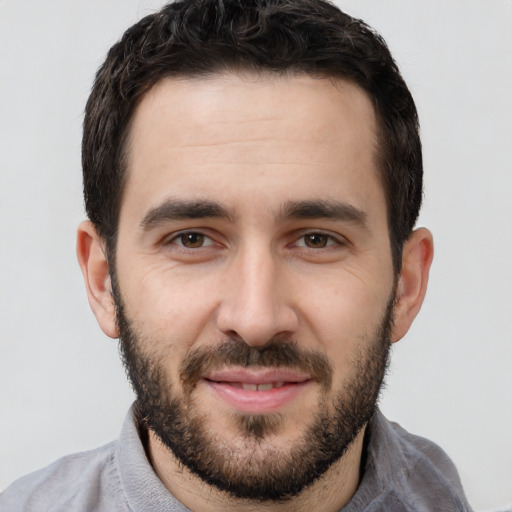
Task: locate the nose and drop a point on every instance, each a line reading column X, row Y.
column 257, row 302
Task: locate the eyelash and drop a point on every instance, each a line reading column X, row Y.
column 179, row 237
column 330, row 240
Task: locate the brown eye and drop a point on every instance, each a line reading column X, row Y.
column 191, row 240
column 316, row 240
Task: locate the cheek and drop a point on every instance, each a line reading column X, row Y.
column 344, row 314
column 169, row 307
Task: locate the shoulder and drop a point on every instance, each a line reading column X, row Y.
column 82, row 481
column 406, row 472
column 425, row 460
column 413, row 471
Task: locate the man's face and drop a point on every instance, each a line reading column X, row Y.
column 253, row 275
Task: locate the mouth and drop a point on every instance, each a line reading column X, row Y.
column 257, row 391
column 257, row 387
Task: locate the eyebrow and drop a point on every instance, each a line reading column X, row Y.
column 319, row 209
column 179, row 210
column 172, row 209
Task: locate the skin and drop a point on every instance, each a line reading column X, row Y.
column 253, row 145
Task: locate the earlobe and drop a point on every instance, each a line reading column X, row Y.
column 417, row 256
column 93, row 262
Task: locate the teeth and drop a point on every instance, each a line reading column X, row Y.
column 258, row 387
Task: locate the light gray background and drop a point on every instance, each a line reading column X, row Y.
column 62, row 388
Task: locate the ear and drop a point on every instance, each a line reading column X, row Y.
column 90, row 250
column 417, row 256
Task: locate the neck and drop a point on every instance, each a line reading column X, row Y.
column 334, row 489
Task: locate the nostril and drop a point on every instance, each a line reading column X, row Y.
column 233, row 335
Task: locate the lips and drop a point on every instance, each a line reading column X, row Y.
column 257, row 391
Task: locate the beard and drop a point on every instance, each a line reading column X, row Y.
column 248, row 466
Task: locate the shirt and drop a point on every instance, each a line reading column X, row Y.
column 403, row 472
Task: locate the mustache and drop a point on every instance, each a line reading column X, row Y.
column 276, row 353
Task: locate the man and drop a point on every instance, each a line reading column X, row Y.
column 252, row 177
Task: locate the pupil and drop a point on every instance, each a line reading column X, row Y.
column 316, row 240
column 192, row 240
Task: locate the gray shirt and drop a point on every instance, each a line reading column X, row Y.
column 403, row 472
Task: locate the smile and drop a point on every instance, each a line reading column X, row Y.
column 260, row 391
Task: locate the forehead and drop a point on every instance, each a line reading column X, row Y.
column 248, row 134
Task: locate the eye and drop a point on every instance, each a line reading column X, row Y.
column 316, row 241
column 192, row 240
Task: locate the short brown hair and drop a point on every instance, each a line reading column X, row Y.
column 200, row 37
